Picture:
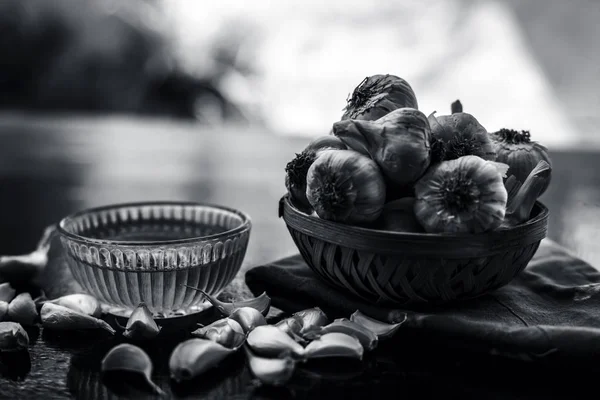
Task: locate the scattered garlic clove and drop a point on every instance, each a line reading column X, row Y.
column 381, row 329
column 80, row 302
column 7, row 292
column 193, row 357
column 227, row 332
column 12, row 337
column 311, row 318
column 22, row 309
column 261, row 303
column 248, row 318
column 334, row 344
column 270, row 341
column 3, row 310
column 129, row 358
column 140, row 324
column 62, row 318
column 270, row 371
column 368, row 339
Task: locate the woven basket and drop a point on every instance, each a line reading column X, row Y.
column 399, row 269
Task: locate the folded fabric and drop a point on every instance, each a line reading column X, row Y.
column 552, row 307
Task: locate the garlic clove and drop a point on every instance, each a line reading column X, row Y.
column 140, row 324
column 193, row 357
column 12, row 337
column 381, row 329
column 248, row 318
column 62, row 318
column 261, row 303
column 7, row 292
column 311, row 318
column 226, row 332
column 368, row 339
column 270, row 371
column 80, row 302
column 334, row 344
column 3, row 310
column 22, row 309
column 270, row 341
column 130, row 359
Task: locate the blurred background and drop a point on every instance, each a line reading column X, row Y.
column 106, row 101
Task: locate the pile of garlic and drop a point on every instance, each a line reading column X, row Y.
column 386, row 165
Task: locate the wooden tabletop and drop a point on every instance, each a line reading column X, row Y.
column 53, row 166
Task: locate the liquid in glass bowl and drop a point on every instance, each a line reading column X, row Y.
column 149, row 252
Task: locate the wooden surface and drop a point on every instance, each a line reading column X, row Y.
column 50, row 167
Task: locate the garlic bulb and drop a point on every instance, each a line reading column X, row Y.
column 296, row 169
column 345, row 186
column 398, row 142
column 518, row 151
column 457, row 135
column 463, row 195
column 377, row 96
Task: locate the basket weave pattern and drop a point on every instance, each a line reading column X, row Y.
column 413, row 268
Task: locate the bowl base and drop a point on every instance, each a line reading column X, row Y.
column 124, row 312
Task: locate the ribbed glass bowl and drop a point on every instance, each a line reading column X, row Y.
column 125, row 254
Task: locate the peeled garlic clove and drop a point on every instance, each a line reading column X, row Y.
column 129, row 358
column 270, row 371
column 80, row 302
column 368, row 339
column 3, row 310
column 12, row 337
column 248, row 318
column 7, row 292
column 261, row 303
column 22, row 309
column 311, row 318
column 334, row 344
column 62, row 318
column 140, row 324
column 381, row 329
column 226, row 332
column 270, row 341
column 194, row 357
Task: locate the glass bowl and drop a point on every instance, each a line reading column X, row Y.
column 147, row 252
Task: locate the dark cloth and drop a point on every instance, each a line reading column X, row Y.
column 552, row 307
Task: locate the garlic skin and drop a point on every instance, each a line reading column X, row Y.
column 399, row 216
column 345, row 186
column 465, row 195
column 378, row 95
column 227, row 332
column 457, row 135
column 383, row 330
column 12, row 337
column 520, row 153
column 398, row 142
column 270, row 341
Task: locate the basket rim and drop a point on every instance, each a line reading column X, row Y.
column 447, row 245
